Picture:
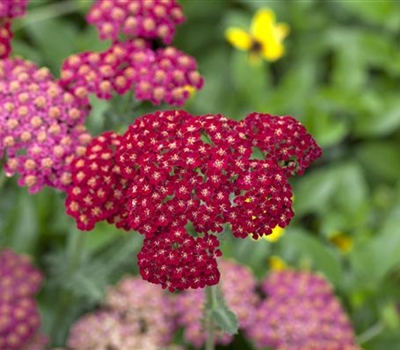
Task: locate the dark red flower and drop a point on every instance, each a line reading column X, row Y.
column 177, row 260
column 97, row 190
column 179, row 170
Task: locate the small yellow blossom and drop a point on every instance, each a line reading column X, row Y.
column 276, row 263
column 342, row 241
column 277, row 233
column 265, row 38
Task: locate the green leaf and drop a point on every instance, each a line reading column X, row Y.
column 222, row 315
column 312, row 250
column 46, row 35
column 374, row 259
column 380, row 158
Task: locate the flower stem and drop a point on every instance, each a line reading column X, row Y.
column 74, row 255
column 208, row 317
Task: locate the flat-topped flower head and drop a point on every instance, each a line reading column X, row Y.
column 180, row 170
column 97, row 189
column 41, row 126
column 104, row 73
column 12, row 8
column 18, row 277
column 19, row 322
column 238, row 286
column 134, row 315
column 144, row 305
column 5, row 39
column 165, row 75
column 19, row 316
column 176, row 260
column 9, row 9
column 148, row 19
column 265, row 38
column 300, row 311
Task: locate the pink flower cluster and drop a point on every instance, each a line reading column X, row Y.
column 149, row 19
column 301, row 312
column 135, row 315
column 9, row 9
column 171, row 169
column 131, row 62
column 19, row 317
column 238, row 286
column 41, row 125
column 155, row 75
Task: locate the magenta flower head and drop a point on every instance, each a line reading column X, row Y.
column 175, row 170
column 238, row 286
column 135, row 315
column 165, row 75
column 300, row 311
column 148, row 19
column 9, row 9
column 41, row 125
column 19, row 317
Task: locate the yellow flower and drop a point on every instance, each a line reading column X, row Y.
column 276, row 263
column 265, row 38
column 342, row 241
column 277, row 233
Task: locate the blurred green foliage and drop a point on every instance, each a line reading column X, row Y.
column 340, row 77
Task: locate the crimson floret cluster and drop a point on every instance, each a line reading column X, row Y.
column 180, row 178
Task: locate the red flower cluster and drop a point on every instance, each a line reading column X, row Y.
column 9, row 9
column 177, row 260
column 172, row 169
column 19, row 317
column 161, row 75
column 149, row 19
column 96, row 192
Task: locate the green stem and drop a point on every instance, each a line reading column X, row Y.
column 75, row 249
column 209, row 323
column 370, row 333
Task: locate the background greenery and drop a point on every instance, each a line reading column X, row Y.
column 340, row 77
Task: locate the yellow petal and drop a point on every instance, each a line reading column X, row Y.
column 281, row 31
column 238, row 38
column 342, row 241
column 277, row 233
column 276, row 263
column 273, row 50
column 262, row 24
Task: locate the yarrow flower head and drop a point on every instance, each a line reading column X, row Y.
column 162, row 75
column 176, row 170
column 135, row 61
column 41, row 125
column 148, row 19
column 264, row 40
column 238, row 286
column 19, row 317
column 300, row 311
column 9, row 9
column 135, row 315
